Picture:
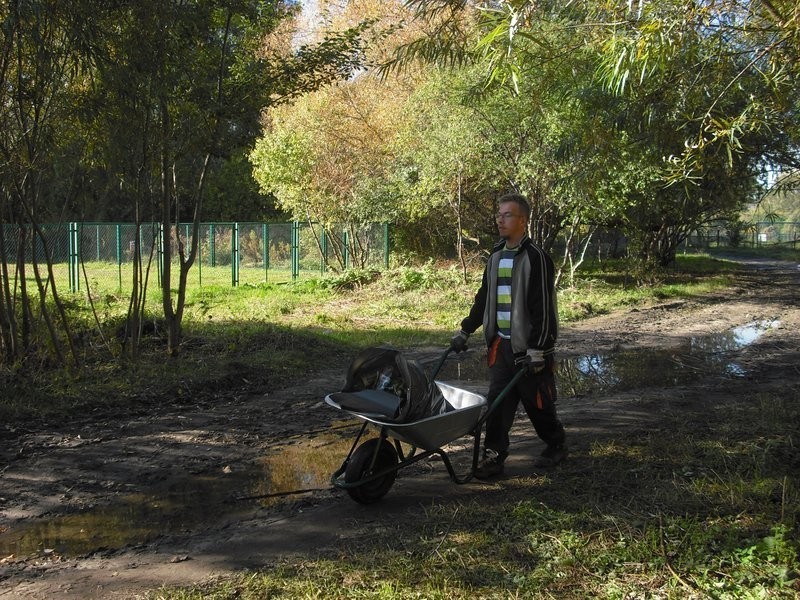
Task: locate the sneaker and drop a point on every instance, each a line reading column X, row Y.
column 491, row 465
column 551, row 456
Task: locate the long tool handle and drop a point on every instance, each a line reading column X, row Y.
column 496, row 402
column 439, row 365
column 476, row 431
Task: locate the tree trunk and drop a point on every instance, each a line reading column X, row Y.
column 8, row 323
column 171, row 321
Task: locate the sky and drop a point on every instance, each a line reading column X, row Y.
column 310, row 10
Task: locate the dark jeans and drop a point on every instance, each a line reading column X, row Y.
column 537, row 392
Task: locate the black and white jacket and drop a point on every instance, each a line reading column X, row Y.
column 534, row 313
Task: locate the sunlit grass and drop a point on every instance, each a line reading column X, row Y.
column 604, row 287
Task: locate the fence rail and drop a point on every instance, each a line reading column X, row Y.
column 101, row 255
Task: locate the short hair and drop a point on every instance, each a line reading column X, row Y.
column 518, row 199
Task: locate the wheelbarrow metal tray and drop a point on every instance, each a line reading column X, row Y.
column 462, row 413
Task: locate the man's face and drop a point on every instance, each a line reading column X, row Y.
column 510, row 222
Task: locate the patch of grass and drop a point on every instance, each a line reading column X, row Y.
column 704, row 505
column 603, row 287
column 218, row 360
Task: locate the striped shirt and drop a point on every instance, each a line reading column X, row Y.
column 504, row 291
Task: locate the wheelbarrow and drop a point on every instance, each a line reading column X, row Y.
column 370, row 468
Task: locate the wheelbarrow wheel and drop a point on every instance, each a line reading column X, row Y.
column 358, row 468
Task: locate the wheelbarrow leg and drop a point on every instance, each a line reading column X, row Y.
column 476, row 446
column 342, row 468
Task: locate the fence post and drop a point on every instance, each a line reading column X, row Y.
column 265, row 250
column 212, row 249
column 235, row 255
column 346, row 249
column 295, row 249
column 323, row 246
column 386, row 245
column 74, row 257
column 118, row 231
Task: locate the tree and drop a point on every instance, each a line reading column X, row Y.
column 535, row 136
column 693, row 116
column 439, row 171
column 325, row 155
column 131, row 106
column 742, row 75
column 43, row 55
column 320, row 155
column 705, row 155
column 196, row 102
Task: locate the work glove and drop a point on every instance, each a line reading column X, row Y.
column 533, row 359
column 459, row 342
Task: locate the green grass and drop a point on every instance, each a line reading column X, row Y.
column 604, row 287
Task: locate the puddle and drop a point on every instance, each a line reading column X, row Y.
column 699, row 357
column 308, row 464
column 181, row 506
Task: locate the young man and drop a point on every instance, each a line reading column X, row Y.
column 516, row 305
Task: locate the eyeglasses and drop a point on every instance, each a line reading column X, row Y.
column 505, row 216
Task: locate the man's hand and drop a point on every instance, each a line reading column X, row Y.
column 533, row 359
column 459, row 342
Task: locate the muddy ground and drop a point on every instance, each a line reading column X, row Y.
column 112, row 508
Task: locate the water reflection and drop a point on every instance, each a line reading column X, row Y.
column 183, row 504
column 305, row 465
column 132, row 519
column 697, row 357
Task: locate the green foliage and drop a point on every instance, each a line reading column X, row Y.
column 282, row 166
column 660, row 121
column 125, row 110
column 351, row 279
column 726, row 114
column 781, row 203
column 233, row 194
column 429, row 276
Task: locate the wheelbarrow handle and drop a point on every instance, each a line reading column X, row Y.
column 496, row 402
column 439, row 365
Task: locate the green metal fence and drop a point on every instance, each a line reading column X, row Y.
column 101, row 255
column 758, row 234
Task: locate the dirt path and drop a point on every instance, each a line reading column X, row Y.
column 104, row 485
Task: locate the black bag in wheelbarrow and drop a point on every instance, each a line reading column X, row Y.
column 381, row 380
